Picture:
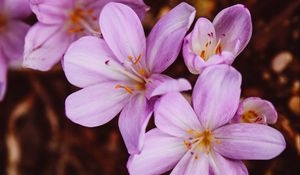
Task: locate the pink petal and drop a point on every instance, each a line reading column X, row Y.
column 175, row 116
column 216, row 95
column 3, row 72
column 127, row 41
column 160, row 154
column 45, row 46
column 249, row 141
column 89, row 61
column 262, row 108
column 235, row 23
column 139, row 7
column 188, row 165
column 51, row 11
column 16, row 9
column 12, row 40
column 221, row 165
column 165, row 40
column 95, row 105
column 133, row 122
column 161, row 84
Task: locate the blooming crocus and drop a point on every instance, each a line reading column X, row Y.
column 60, row 23
column 200, row 140
column 123, row 70
column 255, row 110
column 12, row 34
column 218, row 42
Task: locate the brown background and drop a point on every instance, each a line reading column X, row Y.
column 37, row 139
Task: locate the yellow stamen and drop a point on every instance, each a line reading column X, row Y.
column 218, row 142
column 202, row 54
column 138, row 59
column 218, row 49
column 130, row 91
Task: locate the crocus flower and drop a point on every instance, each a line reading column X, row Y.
column 60, row 23
column 123, row 70
column 200, row 140
column 218, row 42
column 12, row 34
column 255, row 110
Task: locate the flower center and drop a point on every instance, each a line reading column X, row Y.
column 210, row 48
column 134, row 70
column 3, row 22
column 251, row 116
column 200, row 142
column 83, row 20
column 208, row 52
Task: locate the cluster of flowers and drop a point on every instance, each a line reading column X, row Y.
column 103, row 50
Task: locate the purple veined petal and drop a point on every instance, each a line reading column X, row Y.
column 3, row 72
column 45, row 46
column 51, row 11
column 259, row 110
column 161, row 84
column 133, row 122
column 12, row 39
column 139, row 7
column 165, row 39
column 175, row 116
column 129, row 42
column 220, row 164
column 244, row 141
column 216, row 95
column 188, row 165
column 95, row 105
column 16, row 9
column 194, row 62
column 89, row 61
column 160, row 154
column 234, row 28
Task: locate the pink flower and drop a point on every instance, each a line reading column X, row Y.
column 60, row 23
column 123, row 71
column 255, row 110
column 218, row 42
column 12, row 33
column 199, row 140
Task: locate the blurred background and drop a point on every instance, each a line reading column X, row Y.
column 36, row 138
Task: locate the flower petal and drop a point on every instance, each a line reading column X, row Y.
column 3, row 72
column 220, row 164
column 16, row 9
column 216, row 95
column 246, row 141
column 188, row 165
column 133, row 122
column 160, row 154
column 12, row 40
column 139, row 7
column 95, row 105
column 51, row 11
column 234, row 28
column 45, row 46
column 125, row 42
column 175, row 116
column 160, row 84
column 264, row 110
column 165, row 40
column 89, row 61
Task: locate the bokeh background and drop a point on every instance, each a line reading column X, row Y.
column 36, row 138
